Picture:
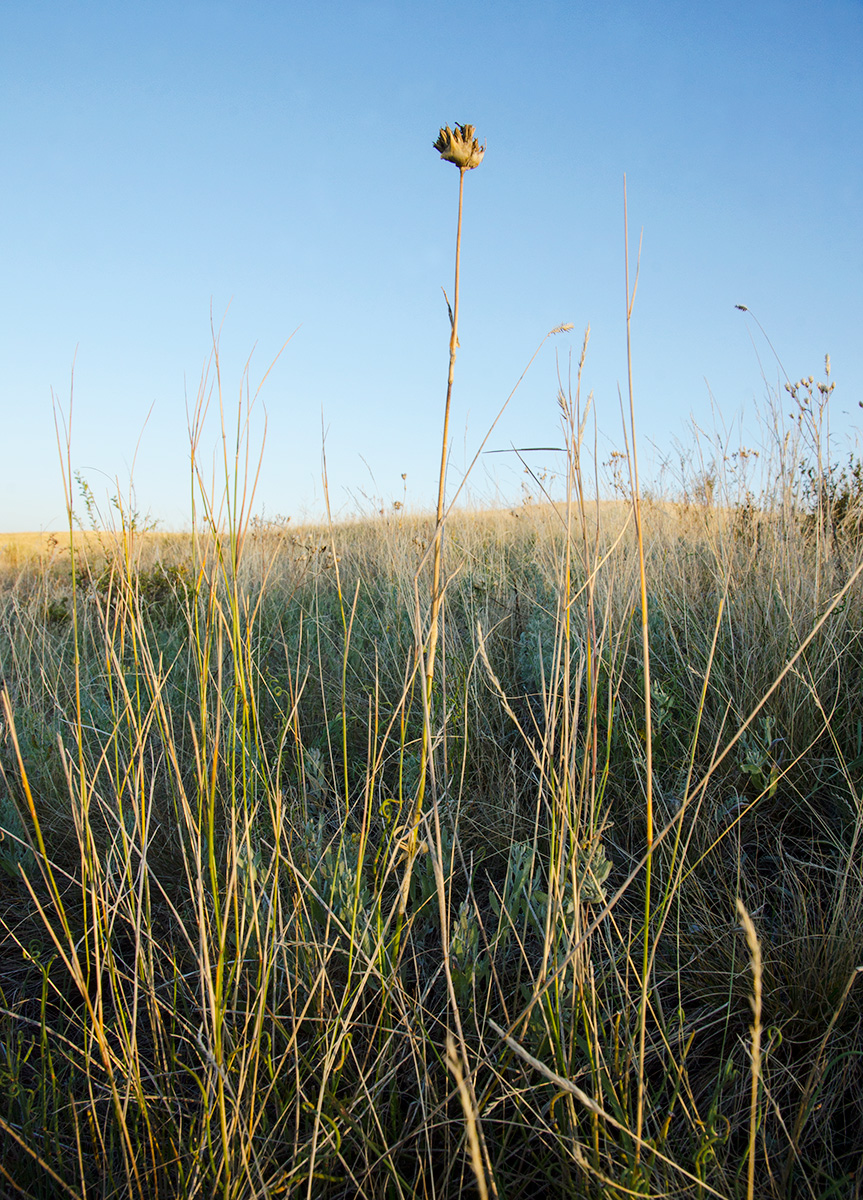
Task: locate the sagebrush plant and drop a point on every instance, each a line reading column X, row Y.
column 239, row 960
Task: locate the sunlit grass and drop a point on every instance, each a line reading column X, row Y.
column 212, row 748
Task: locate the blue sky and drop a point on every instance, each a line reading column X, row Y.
column 274, row 162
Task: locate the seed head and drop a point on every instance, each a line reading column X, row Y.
column 459, row 146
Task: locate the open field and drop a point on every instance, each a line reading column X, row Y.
column 612, row 948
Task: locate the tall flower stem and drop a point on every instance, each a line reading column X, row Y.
column 458, row 146
column 437, row 592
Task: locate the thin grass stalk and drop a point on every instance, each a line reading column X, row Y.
column 681, row 843
column 468, row 1103
column 436, row 596
column 586, row 818
column 645, row 641
column 37, row 1159
column 346, row 631
column 815, row 1074
column 577, row 424
column 479, row 1150
column 755, row 1000
column 436, row 589
column 572, row 1089
column 94, row 924
column 789, row 666
column 214, row 967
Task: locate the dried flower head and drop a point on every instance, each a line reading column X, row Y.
column 459, row 146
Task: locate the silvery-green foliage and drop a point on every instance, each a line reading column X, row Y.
column 469, row 966
column 535, row 653
column 540, row 648
column 480, row 582
column 249, row 863
column 757, row 754
column 316, row 780
column 657, row 625
column 526, row 900
column 513, row 912
column 592, row 868
column 346, row 891
column 662, row 706
column 338, row 887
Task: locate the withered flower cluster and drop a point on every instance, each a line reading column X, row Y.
column 460, row 146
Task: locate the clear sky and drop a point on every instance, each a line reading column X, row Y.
column 273, row 161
